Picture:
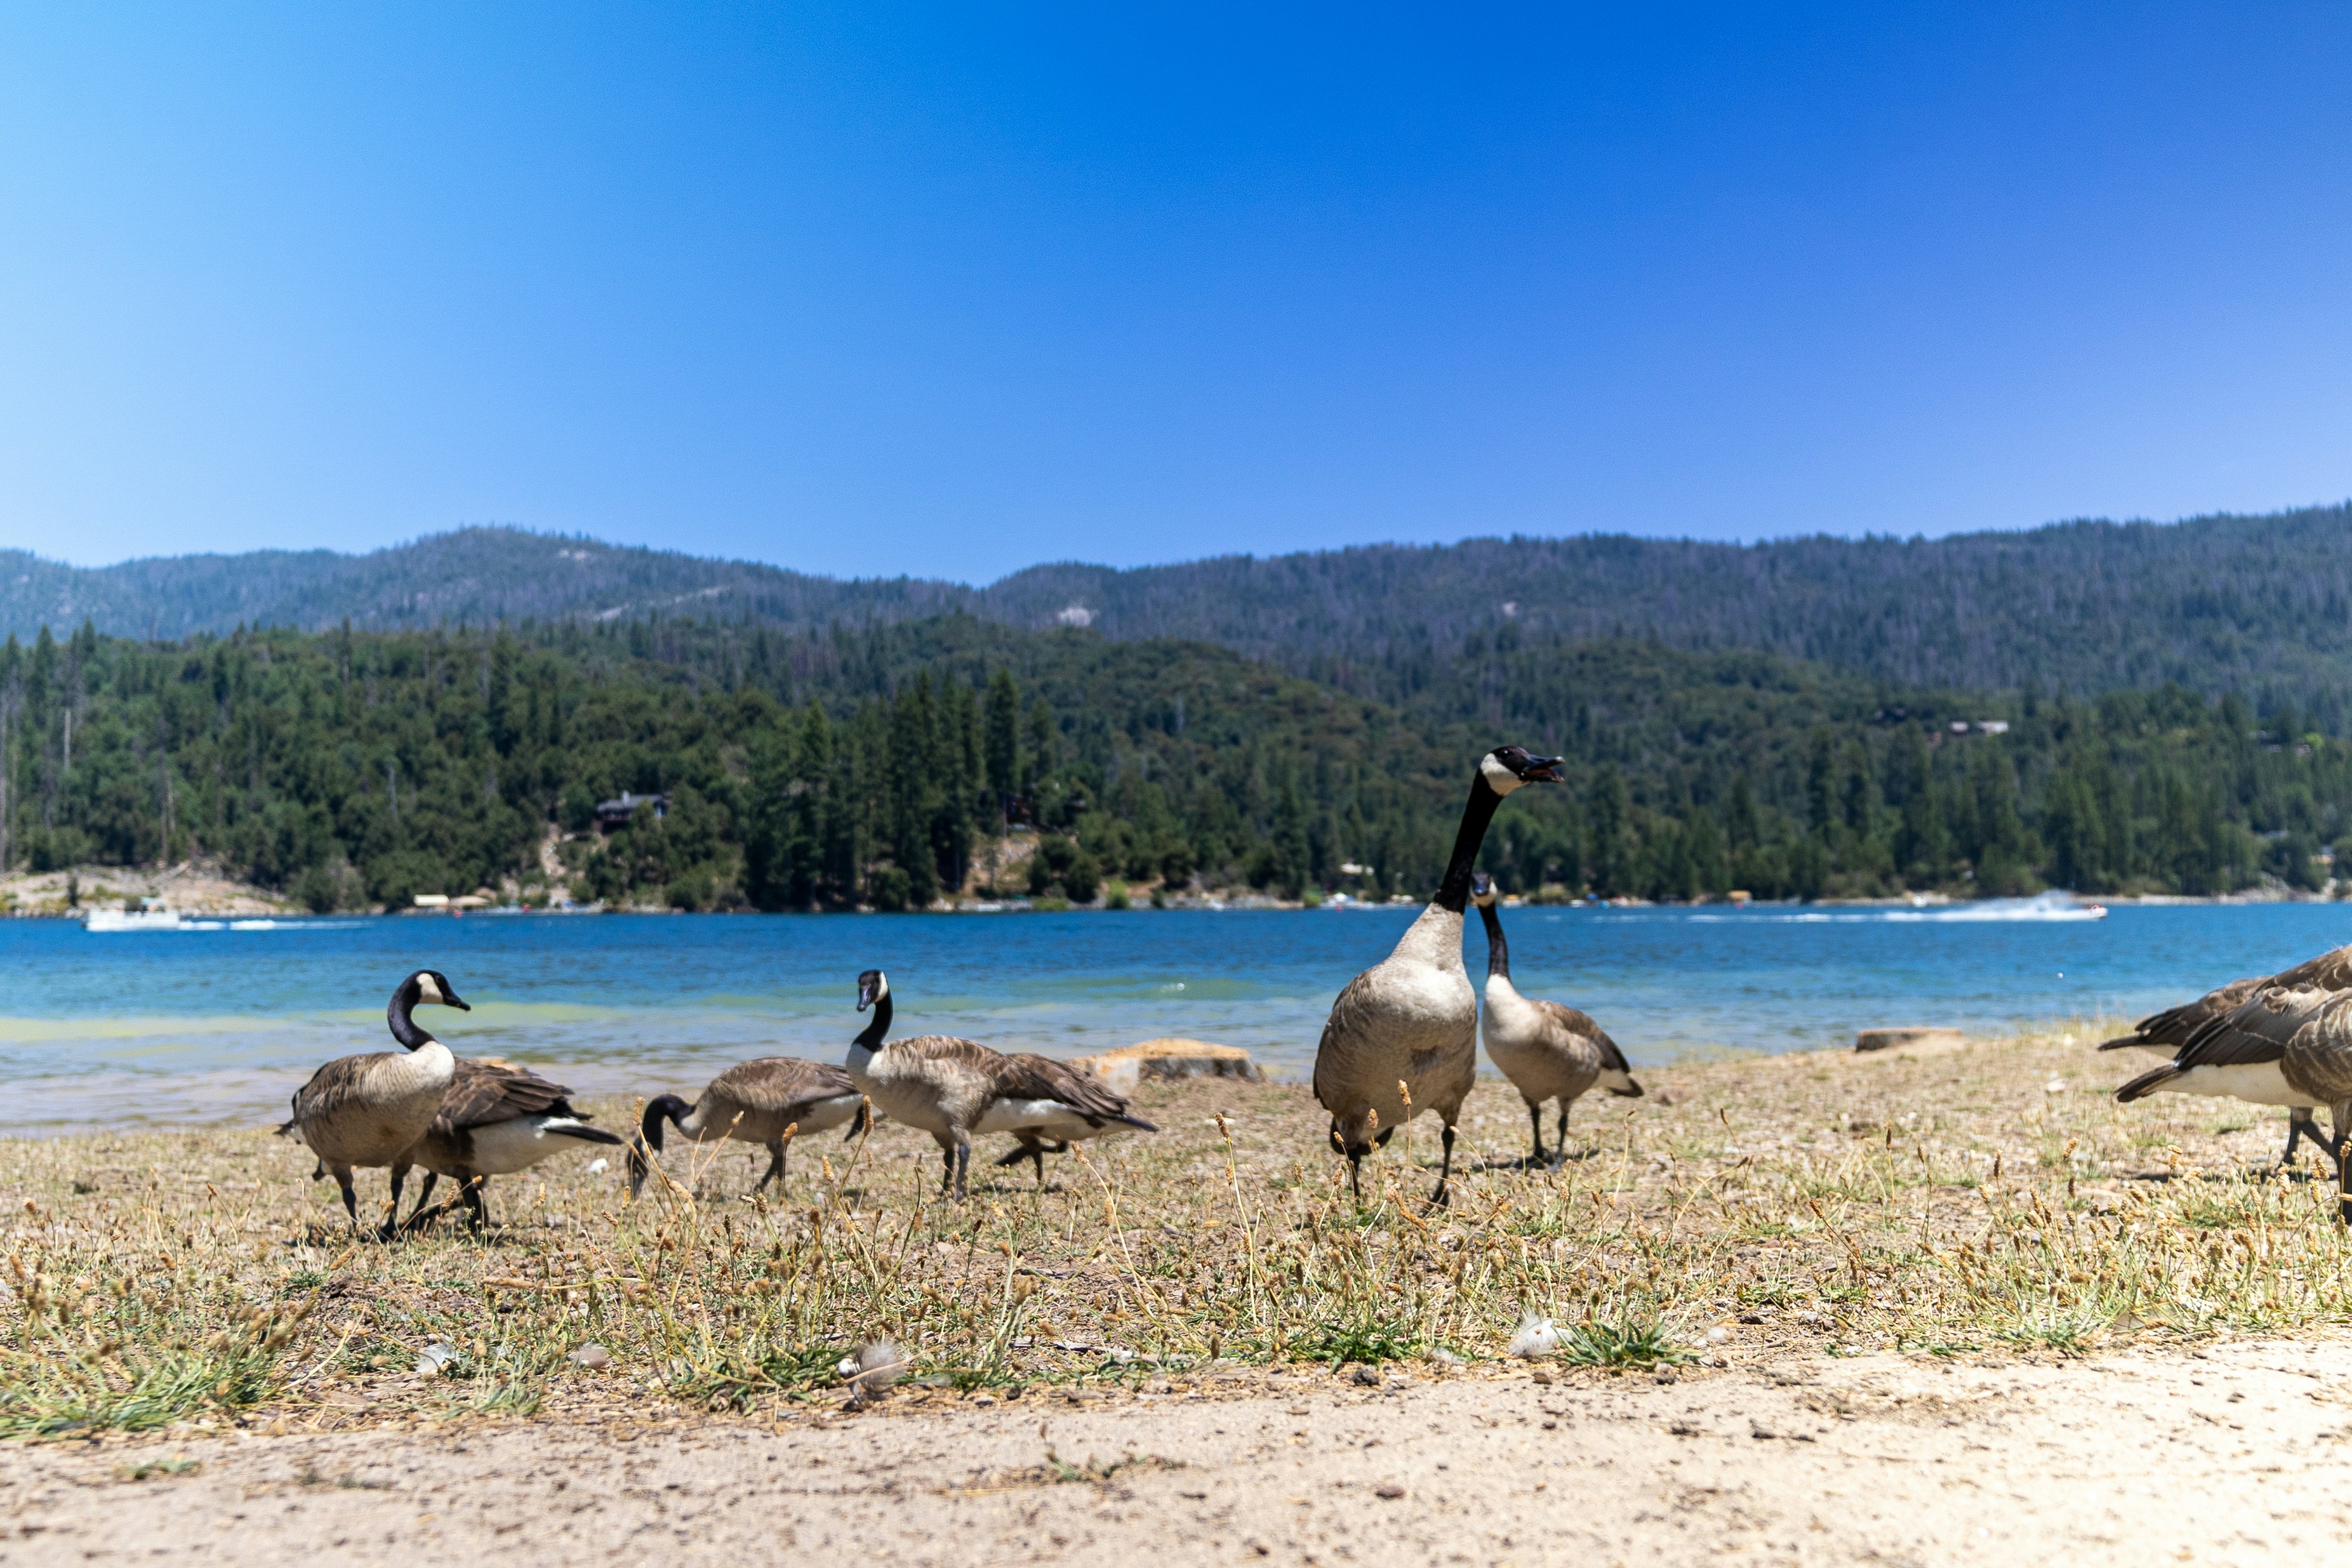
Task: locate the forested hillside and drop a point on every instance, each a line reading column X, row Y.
column 2257, row 605
column 876, row 766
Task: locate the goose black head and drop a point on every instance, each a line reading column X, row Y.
column 1482, row 890
column 1506, row 768
column 872, row 986
column 431, row 986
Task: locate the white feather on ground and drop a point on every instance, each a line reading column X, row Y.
column 1537, row 1337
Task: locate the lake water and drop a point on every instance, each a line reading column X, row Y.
column 222, row 1025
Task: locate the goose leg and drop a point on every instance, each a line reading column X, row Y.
column 963, row 1165
column 775, row 1165
column 1445, row 1171
column 947, row 1177
column 1559, row 1146
column 431, row 1179
column 1534, row 1119
column 1037, row 1157
column 479, row 1210
column 351, row 1197
column 392, row 1216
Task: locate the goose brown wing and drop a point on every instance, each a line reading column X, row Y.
column 1580, row 1023
column 2175, row 1025
column 2329, row 972
column 1026, row 1076
column 332, row 1085
column 951, row 1049
column 2254, row 1032
column 779, row 1083
column 485, row 1091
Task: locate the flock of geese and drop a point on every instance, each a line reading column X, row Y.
column 1401, row 1040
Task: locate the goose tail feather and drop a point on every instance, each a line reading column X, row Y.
column 2149, row 1082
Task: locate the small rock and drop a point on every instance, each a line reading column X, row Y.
column 2055, row 1086
column 1719, row 1335
column 1543, row 1377
column 1444, row 1357
column 1388, row 1490
column 598, row 1167
column 1365, row 1377
column 593, row 1356
column 435, row 1359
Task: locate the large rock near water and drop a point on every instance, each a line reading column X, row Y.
column 1171, row 1059
column 1914, row 1035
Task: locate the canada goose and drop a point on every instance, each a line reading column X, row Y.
column 494, row 1119
column 369, row 1110
column 1403, row 1037
column 2165, row 1033
column 1547, row 1050
column 2277, row 1048
column 952, row 1089
column 767, row 1102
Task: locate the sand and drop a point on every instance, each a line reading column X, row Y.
column 2237, row 1452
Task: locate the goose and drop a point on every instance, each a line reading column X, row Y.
column 2165, row 1033
column 494, row 1119
column 1403, row 1037
column 367, row 1111
column 1547, row 1050
column 2276, row 1047
column 952, row 1089
column 768, row 1101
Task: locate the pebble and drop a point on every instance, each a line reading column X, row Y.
column 594, row 1357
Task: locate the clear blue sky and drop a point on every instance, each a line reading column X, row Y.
column 864, row 289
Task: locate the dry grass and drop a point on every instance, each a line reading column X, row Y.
column 1959, row 1202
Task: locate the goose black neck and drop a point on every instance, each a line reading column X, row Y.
column 661, row 1108
column 1499, row 953
column 1454, row 893
column 403, row 1028
column 875, row 1033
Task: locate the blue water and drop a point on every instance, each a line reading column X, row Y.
column 222, row 1025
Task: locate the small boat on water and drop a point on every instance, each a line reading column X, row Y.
column 132, row 919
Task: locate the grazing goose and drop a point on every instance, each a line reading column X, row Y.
column 768, row 1102
column 496, row 1119
column 368, row 1110
column 952, row 1089
column 2165, row 1033
column 1547, row 1050
column 2277, row 1048
column 1403, row 1037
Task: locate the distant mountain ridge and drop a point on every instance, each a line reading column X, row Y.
column 2258, row 604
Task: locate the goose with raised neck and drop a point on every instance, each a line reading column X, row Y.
column 1402, row 1038
column 955, row 1088
column 366, row 1112
column 1548, row 1050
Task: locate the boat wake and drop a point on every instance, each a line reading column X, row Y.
column 2042, row 907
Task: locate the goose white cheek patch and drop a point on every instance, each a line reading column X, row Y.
column 1499, row 779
